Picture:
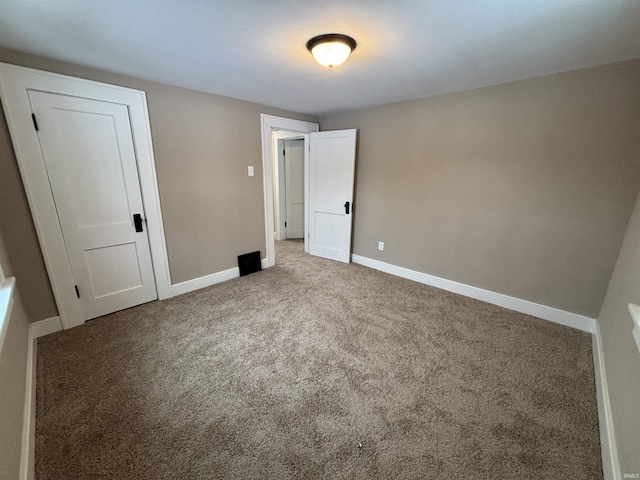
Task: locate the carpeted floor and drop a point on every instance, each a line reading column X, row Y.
column 316, row 369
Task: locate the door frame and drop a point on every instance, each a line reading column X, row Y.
column 294, row 182
column 271, row 123
column 278, row 189
column 15, row 81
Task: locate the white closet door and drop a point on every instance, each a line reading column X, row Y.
column 294, row 173
column 91, row 163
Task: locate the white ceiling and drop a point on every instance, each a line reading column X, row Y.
column 255, row 49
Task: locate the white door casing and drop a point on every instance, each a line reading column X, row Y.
column 88, row 150
column 279, row 180
column 331, row 179
column 15, row 82
column 294, row 191
column 279, row 189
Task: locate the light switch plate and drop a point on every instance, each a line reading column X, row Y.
column 250, row 169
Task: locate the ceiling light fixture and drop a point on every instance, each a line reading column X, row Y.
column 331, row 49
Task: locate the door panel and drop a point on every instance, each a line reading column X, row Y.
column 331, row 176
column 326, row 238
column 99, row 195
column 105, row 280
column 294, row 171
column 90, row 159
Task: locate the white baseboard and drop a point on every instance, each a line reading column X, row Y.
column 46, row 326
column 555, row 315
column 610, row 464
column 27, row 460
column 208, row 280
column 36, row 330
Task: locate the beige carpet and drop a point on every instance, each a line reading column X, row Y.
column 283, row 374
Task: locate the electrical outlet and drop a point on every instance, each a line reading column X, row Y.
column 250, row 170
column 381, row 246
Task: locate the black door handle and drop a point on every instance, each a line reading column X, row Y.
column 346, row 208
column 137, row 222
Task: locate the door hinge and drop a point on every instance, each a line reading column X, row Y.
column 285, row 224
column 35, row 122
column 283, row 152
column 77, row 291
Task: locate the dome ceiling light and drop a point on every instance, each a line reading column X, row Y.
column 331, row 49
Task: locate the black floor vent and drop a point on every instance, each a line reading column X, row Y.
column 249, row 263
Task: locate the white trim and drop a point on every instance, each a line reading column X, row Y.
column 634, row 310
column 46, row 326
column 610, row 464
column 15, row 82
column 208, row 280
column 279, row 199
column 307, row 163
column 7, row 287
column 555, row 315
column 270, row 123
column 27, row 453
column 27, row 458
column 151, row 199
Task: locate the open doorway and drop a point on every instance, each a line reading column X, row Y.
column 329, row 174
column 289, row 208
column 274, row 130
column 288, row 185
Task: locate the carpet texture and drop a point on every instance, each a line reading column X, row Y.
column 316, row 369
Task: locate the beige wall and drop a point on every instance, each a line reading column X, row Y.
column 20, row 237
column 621, row 357
column 524, row 188
column 203, row 144
column 13, row 377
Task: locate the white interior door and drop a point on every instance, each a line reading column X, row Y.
column 279, row 193
column 294, row 173
column 331, row 174
column 91, row 163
